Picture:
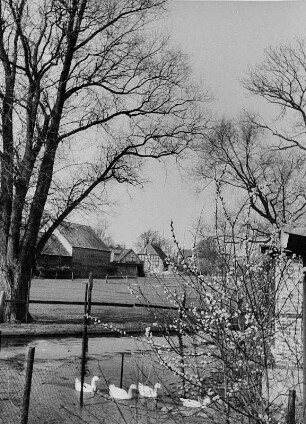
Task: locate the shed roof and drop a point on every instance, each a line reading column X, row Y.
column 293, row 238
column 79, row 235
column 124, row 252
column 297, row 229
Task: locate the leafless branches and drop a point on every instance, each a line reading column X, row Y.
column 93, row 82
column 237, row 153
column 281, row 80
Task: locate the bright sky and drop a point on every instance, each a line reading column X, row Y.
column 222, row 38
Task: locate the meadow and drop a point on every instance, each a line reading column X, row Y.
column 115, row 292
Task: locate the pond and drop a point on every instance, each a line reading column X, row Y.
column 57, row 348
column 124, row 360
column 116, row 360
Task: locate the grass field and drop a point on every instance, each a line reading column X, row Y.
column 53, row 398
column 113, row 291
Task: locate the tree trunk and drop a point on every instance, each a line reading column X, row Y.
column 14, row 279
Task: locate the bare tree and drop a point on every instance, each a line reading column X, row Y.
column 281, row 80
column 101, row 228
column 153, row 237
column 88, row 87
column 236, row 153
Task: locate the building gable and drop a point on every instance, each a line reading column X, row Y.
column 78, row 235
column 55, row 247
column 154, row 259
column 128, row 256
column 153, row 249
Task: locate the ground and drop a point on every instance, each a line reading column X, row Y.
column 63, row 319
column 53, row 398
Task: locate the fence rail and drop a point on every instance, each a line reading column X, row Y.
column 65, row 302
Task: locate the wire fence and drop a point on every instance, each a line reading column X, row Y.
column 54, row 400
column 52, row 393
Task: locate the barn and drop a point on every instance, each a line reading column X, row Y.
column 126, row 262
column 74, row 249
column 55, row 261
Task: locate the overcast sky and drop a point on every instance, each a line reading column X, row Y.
column 222, row 39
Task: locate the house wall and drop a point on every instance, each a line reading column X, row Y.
column 286, row 374
column 152, row 263
column 85, row 261
column 288, row 326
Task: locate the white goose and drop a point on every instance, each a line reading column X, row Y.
column 117, row 393
column 149, row 392
column 87, row 388
column 192, row 403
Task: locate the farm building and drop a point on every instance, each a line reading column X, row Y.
column 287, row 349
column 76, row 250
column 127, row 256
column 126, row 262
column 154, row 259
column 54, row 261
column 290, row 329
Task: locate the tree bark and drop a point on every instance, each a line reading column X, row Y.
column 14, row 279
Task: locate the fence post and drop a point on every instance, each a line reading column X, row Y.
column 2, row 306
column 121, row 374
column 90, row 285
column 27, row 387
column 84, row 345
column 88, row 308
column 290, row 419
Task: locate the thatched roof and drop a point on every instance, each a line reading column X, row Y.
column 79, row 235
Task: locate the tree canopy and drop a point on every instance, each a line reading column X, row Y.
column 88, row 90
column 238, row 153
column 280, row 79
column 153, row 237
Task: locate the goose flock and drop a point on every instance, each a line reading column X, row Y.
column 117, row 393
column 143, row 390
